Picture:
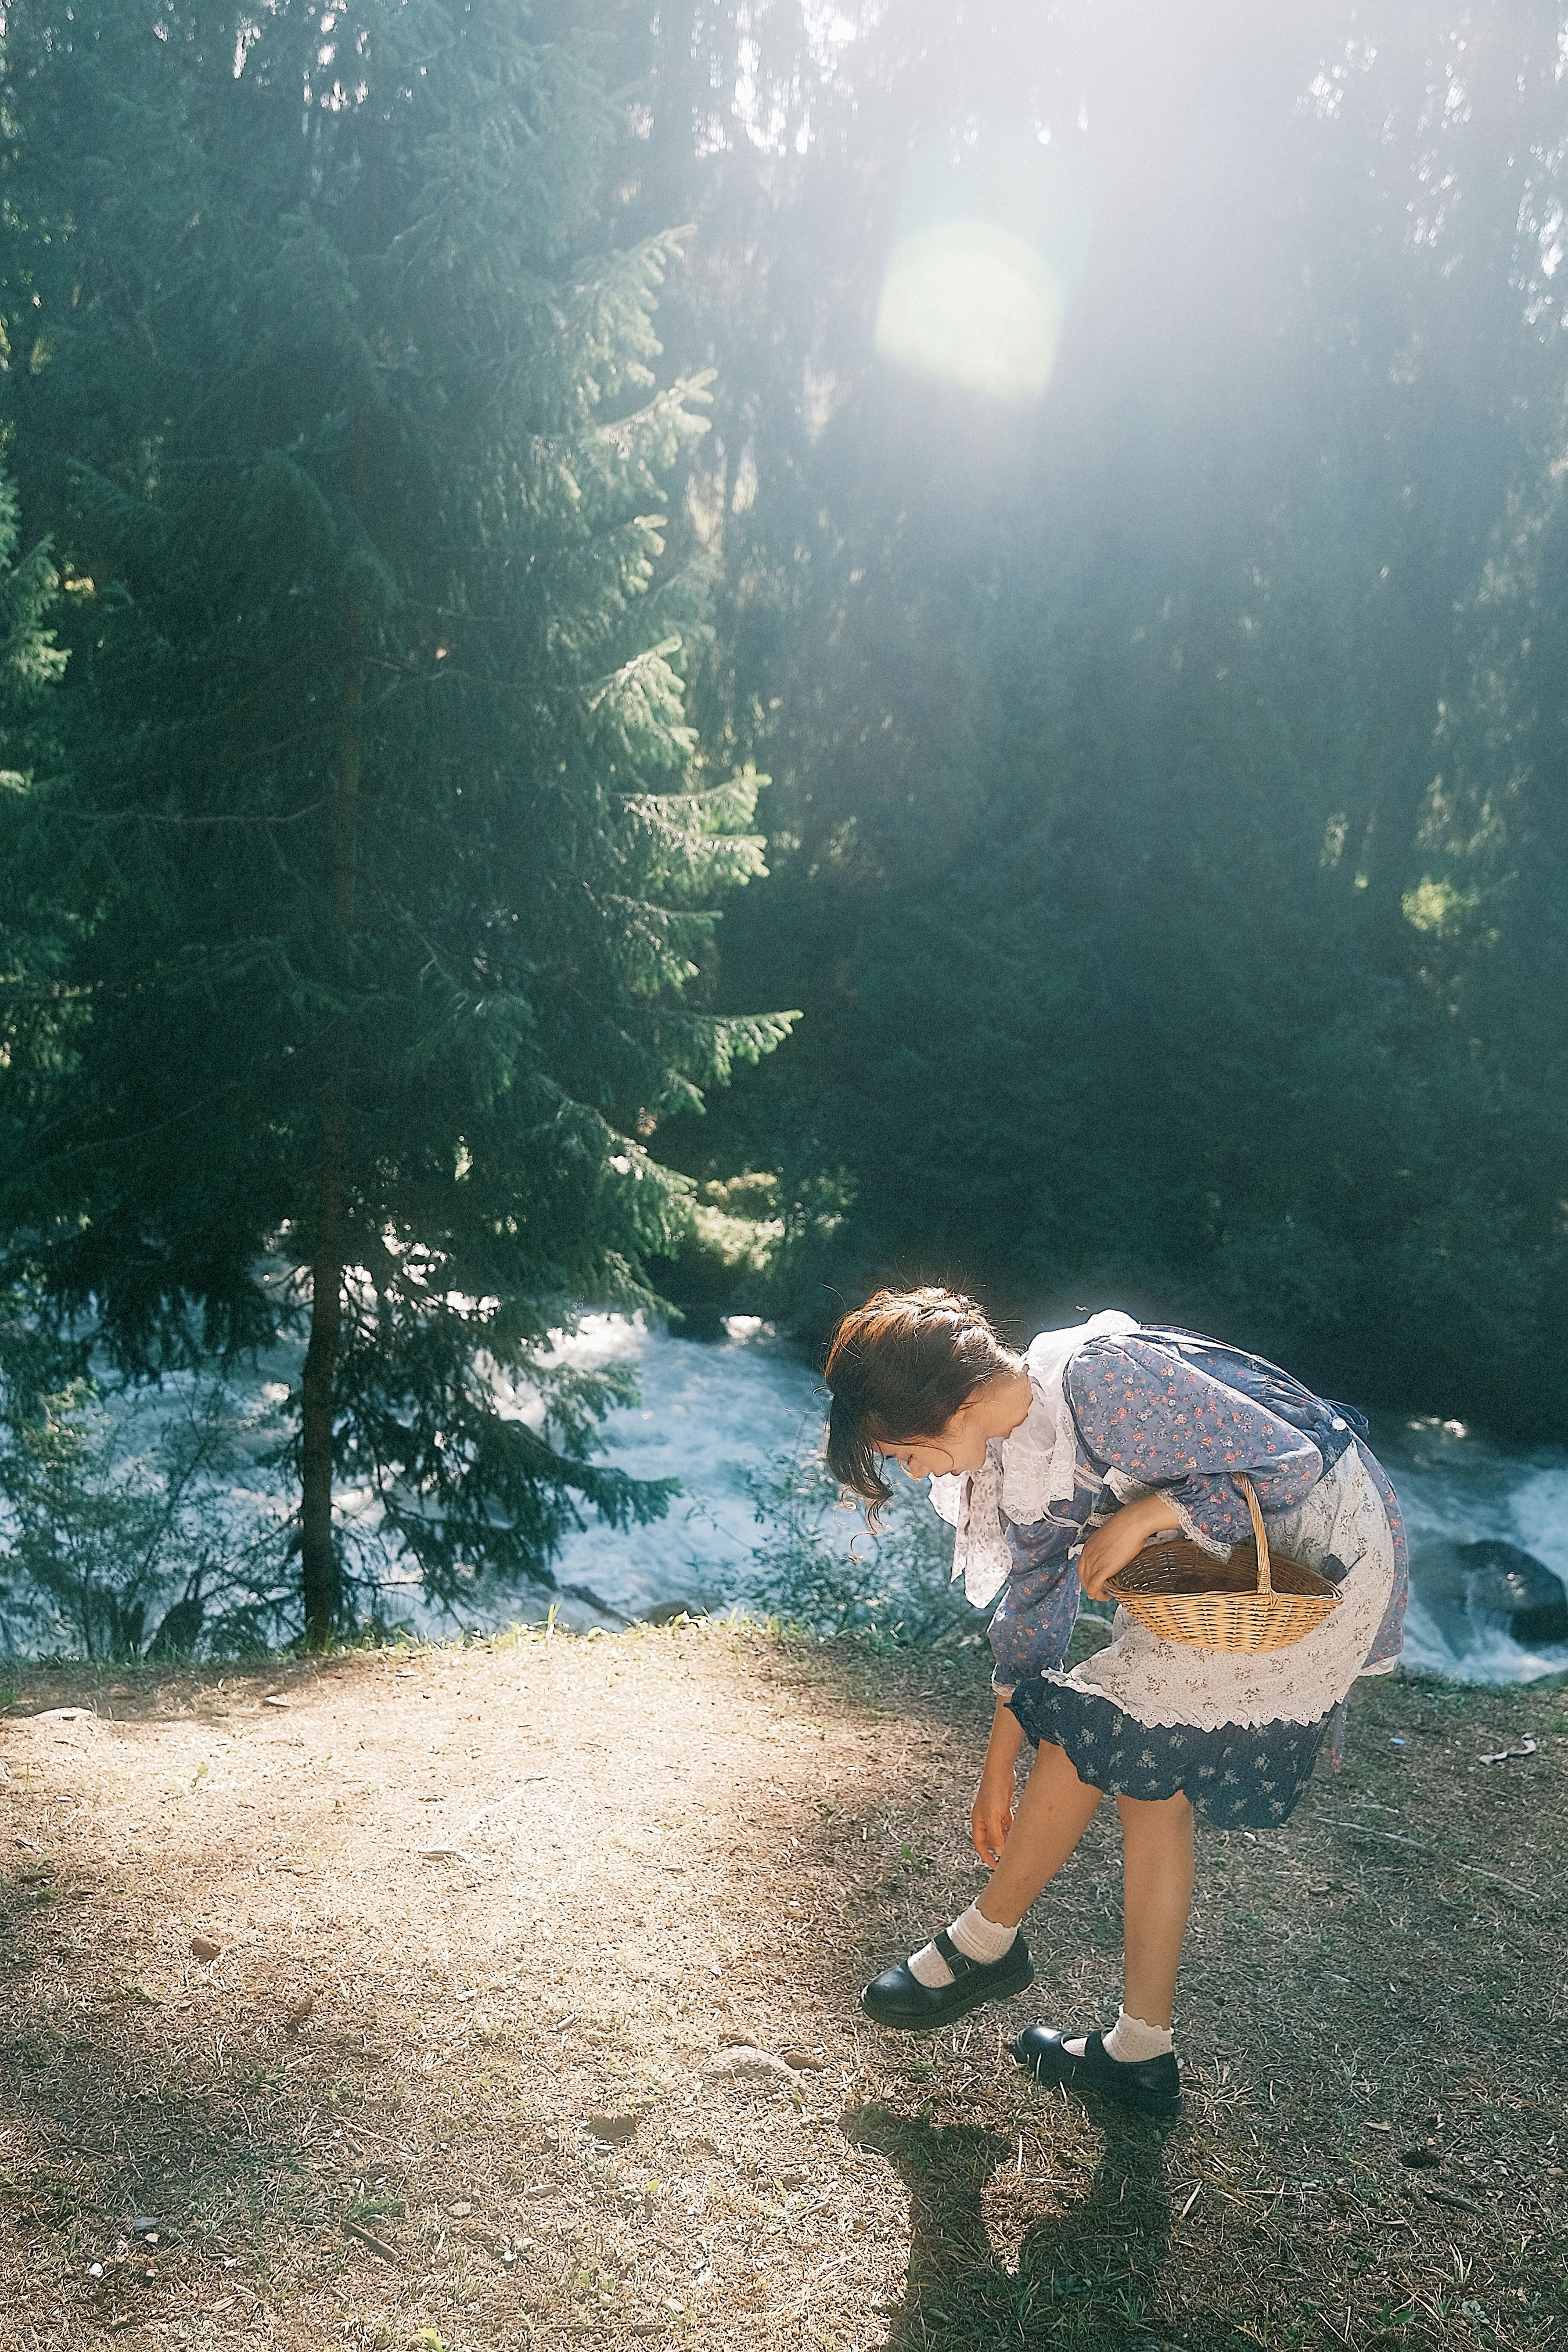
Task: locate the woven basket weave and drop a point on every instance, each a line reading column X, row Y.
column 1249, row 1602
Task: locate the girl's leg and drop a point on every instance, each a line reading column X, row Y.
column 1051, row 1816
column 1053, row 1813
column 1157, row 1872
column 1134, row 2063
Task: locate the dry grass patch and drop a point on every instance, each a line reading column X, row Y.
column 488, row 1917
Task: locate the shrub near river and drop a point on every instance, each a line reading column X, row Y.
column 468, row 2064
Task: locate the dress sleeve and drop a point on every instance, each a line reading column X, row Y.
column 1039, row 1605
column 1156, row 1417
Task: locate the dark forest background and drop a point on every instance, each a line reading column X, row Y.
column 461, row 528
column 1168, row 823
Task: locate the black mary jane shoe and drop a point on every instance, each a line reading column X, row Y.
column 1153, row 2086
column 897, row 1999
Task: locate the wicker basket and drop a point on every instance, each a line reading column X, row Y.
column 1249, row 1601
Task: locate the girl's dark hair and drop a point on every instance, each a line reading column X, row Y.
column 900, row 1366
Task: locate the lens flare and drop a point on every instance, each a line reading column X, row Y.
column 994, row 231
column 974, row 306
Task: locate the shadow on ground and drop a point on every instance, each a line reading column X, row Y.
column 1107, row 2249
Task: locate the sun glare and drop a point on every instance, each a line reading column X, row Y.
column 992, row 236
column 973, row 305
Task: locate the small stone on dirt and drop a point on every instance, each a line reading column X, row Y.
column 612, row 2128
column 276, row 1698
column 143, row 2225
column 460, row 2212
column 204, row 1949
column 747, row 2066
column 805, row 2059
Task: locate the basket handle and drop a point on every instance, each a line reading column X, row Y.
column 1265, row 1582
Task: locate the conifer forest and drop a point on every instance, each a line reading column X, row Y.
column 683, row 658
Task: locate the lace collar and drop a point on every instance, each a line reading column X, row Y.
column 1026, row 1472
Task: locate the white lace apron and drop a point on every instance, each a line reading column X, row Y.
column 1169, row 1683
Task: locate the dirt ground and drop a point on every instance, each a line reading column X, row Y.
column 495, row 1926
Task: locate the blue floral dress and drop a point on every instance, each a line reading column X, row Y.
column 1240, row 1733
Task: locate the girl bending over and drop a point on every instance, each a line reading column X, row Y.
column 1056, row 1468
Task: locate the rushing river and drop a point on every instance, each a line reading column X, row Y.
column 731, row 1417
column 720, row 1416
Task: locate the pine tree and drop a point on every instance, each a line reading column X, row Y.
column 33, row 1012
column 400, row 853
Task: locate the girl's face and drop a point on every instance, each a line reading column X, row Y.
column 961, row 1447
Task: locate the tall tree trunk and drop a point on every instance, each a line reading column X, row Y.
column 319, row 1560
column 320, row 1570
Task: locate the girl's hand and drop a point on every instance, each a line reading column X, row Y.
column 993, row 1815
column 1120, row 1540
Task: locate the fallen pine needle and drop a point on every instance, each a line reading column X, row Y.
column 367, row 2237
column 1512, row 1884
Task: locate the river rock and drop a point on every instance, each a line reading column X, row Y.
column 1493, row 1580
column 1502, row 1580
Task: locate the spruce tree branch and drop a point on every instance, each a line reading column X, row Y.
column 504, row 685
column 109, row 1144
column 231, row 759
column 148, row 816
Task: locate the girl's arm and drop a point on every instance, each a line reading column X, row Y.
column 1122, row 1538
column 993, row 1815
column 1158, row 1419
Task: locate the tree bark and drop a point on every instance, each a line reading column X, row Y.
column 321, row 1570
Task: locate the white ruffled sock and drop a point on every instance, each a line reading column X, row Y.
column 1128, row 2042
column 977, row 1937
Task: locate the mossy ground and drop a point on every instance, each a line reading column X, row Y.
column 487, row 1914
